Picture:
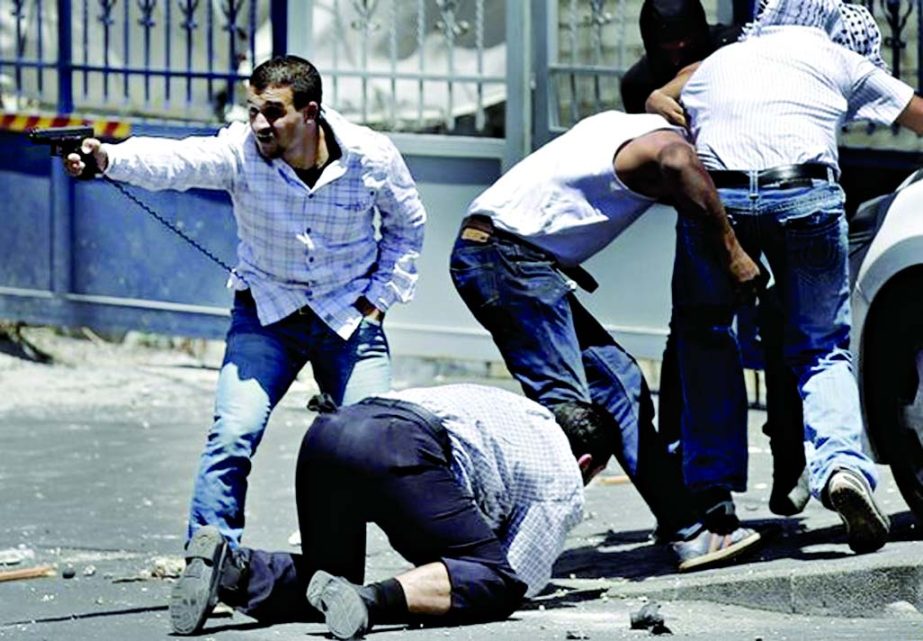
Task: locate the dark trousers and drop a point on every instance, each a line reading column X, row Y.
column 386, row 462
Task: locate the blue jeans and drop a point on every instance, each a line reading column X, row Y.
column 803, row 233
column 558, row 352
column 260, row 364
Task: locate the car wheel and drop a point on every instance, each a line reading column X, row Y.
column 892, row 380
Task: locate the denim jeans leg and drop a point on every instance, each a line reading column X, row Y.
column 525, row 304
column 617, row 384
column 257, row 371
column 813, row 272
column 714, row 425
column 353, row 369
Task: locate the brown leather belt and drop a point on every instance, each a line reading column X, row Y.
column 776, row 177
column 480, row 229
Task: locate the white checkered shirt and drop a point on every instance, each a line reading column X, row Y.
column 300, row 246
column 516, row 462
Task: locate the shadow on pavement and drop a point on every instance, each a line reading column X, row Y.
column 88, row 615
column 559, row 597
column 15, row 345
column 631, row 555
column 243, row 626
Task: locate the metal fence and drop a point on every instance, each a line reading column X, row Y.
column 585, row 46
column 404, row 65
column 901, row 24
column 154, row 58
column 418, row 65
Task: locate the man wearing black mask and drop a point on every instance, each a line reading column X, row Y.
column 675, row 34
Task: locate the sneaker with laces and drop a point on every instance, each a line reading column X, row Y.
column 344, row 609
column 709, row 549
column 850, row 495
column 195, row 594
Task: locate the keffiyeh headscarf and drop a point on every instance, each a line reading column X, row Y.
column 821, row 14
column 859, row 32
column 849, row 25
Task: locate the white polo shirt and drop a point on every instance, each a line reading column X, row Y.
column 781, row 97
column 565, row 197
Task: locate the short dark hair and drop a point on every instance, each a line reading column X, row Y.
column 290, row 71
column 589, row 428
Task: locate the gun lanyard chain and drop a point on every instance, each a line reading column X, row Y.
column 176, row 230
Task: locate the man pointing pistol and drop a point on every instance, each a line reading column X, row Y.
column 312, row 282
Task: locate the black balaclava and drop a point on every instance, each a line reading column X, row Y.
column 664, row 21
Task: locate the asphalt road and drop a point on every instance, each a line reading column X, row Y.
column 97, row 455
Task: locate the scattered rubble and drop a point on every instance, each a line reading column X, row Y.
column 167, row 567
column 648, row 617
column 15, row 556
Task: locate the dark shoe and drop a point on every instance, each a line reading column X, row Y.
column 710, row 549
column 721, row 517
column 787, row 499
column 850, row 495
column 195, row 594
column 339, row 601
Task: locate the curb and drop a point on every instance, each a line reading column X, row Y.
column 863, row 592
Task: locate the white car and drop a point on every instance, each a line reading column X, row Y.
column 886, row 265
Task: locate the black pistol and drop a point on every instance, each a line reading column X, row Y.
column 67, row 140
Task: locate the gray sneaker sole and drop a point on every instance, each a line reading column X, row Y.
column 194, row 594
column 866, row 526
column 345, row 612
column 711, row 559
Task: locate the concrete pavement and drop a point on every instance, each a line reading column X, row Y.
column 97, row 458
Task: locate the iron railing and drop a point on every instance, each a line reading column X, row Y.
column 162, row 58
column 405, row 65
column 589, row 44
column 416, row 65
column 419, row 65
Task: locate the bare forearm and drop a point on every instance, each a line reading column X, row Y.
column 912, row 116
column 691, row 188
column 674, row 88
column 694, row 195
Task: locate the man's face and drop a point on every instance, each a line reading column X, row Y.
column 275, row 122
column 679, row 51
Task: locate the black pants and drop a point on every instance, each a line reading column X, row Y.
column 385, row 462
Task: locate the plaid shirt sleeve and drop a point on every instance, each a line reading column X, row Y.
column 535, row 537
column 207, row 162
column 402, row 220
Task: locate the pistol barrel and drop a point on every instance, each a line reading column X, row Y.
column 52, row 135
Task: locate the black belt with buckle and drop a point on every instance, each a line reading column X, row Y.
column 777, row 177
column 480, row 229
